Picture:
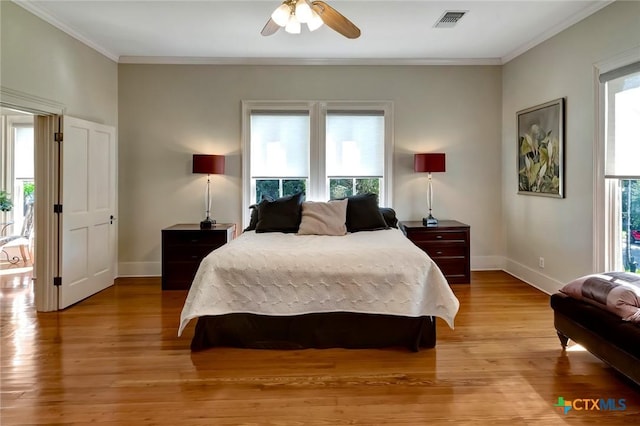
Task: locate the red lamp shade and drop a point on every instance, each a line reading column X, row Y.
column 209, row 164
column 429, row 162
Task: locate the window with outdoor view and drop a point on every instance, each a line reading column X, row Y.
column 18, row 161
column 354, row 152
column 279, row 153
column 327, row 150
column 622, row 169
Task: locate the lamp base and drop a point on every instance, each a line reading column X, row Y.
column 430, row 221
column 207, row 223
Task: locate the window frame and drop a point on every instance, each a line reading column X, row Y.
column 605, row 224
column 317, row 188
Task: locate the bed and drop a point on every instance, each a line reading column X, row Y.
column 362, row 289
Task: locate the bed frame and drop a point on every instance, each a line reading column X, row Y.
column 318, row 330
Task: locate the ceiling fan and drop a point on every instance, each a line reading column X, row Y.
column 292, row 13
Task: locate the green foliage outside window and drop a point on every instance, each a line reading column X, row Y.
column 366, row 186
column 293, row 186
column 29, row 188
column 271, row 187
column 631, row 203
column 340, row 188
column 267, row 187
column 5, row 202
column 630, row 206
column 344, row 187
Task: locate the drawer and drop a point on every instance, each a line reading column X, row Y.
column 452, row 266
column 458, row 279
column 181, row 271
column 193, row 253
column 417, row 236
column 194, row 238
column 443, row 250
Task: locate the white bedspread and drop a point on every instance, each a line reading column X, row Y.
column 379, row 272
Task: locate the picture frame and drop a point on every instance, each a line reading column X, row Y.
column 540, row 149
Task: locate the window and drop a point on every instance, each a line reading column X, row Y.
column 621, row 119
column 18, row 167
column 279, row 148
column 326, row 149
column 354, row 152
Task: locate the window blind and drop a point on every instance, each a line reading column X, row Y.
column 622, row 128
column 619, row 72
column 355, row 144
column 280, row 144
column 23, row 148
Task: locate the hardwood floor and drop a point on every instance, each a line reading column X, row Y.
column 115, row 359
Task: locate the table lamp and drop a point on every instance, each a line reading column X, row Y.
column 211, row 165
column 429, row 163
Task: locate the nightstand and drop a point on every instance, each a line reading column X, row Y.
column 447, row 244
column 184, row 246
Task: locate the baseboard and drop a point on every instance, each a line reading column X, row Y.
column 139, row 269
column 532, row 277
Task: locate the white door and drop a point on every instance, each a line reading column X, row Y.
column 88, row 186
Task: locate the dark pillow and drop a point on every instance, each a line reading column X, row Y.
column 254, row 213
column 281, row 215
column 363, row 213
column 389, row 216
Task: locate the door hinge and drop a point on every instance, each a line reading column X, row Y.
column 57, row 208
column 57, row 281
column 57, row 136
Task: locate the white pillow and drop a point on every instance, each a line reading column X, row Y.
column 324, row 218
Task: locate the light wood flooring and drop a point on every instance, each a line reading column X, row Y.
column 115, row 359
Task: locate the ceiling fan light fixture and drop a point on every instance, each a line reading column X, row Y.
column 293, row 26
column 315, row 21
column 303, row 11
column 281, row 15
column 315, row 13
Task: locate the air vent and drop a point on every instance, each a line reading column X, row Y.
column 450, row 18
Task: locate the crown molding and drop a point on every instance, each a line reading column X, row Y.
column 187, row 60
column 556, row 29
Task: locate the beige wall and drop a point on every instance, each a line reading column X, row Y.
column 560, row 230
column 38, row 60
column 169, row 112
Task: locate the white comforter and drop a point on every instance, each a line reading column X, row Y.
column 379, row 272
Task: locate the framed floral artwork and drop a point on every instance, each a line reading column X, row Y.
column 541, row 149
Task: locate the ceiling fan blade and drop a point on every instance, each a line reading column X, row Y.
column 335, row 20
column 270, row 28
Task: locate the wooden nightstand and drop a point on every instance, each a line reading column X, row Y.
column 184, row 246
column 447, row 244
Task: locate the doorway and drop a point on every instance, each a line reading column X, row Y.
column 17, row 184
column 50, row 282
